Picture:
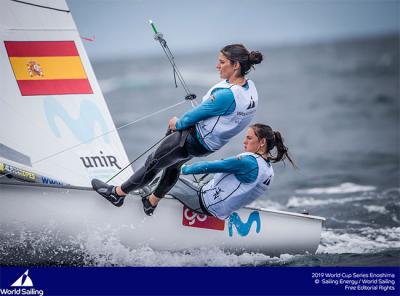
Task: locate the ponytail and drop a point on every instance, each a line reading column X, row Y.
column 282, row 150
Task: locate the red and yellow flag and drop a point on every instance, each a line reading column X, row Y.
column 47, row 68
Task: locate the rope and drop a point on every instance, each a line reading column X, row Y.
column 108, row 132
column 171, row 59
column 123, row 169
column 176, row 72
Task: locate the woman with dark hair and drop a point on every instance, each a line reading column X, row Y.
column 226, row 109
column 239, row 180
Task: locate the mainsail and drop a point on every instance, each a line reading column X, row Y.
column 54, row 118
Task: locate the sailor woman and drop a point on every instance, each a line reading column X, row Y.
column 226, row 110
column 239, row 180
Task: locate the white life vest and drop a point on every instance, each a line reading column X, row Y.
column 225, row 194
column 216, row 131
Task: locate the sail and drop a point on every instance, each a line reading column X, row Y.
column 54, row 118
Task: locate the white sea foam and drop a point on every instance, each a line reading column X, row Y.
column 392, row 191
column 339, row 189
column 267, row 204
column 353, row 222
column 102, row 247
column 298, row 201
column 378, row 209
column 112, row 253
column 366, row 240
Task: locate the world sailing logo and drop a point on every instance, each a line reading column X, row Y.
column 82, row 127
column 20, row 287
column 23, row 281
column 252, row 104
column 243, row 229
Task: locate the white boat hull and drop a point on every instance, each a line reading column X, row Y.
column 78, row 213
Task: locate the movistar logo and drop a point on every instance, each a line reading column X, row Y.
column 243, row 229
column 252, row 104
column 82, row 127
column 23, row 281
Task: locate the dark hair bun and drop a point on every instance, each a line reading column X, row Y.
column 255, row 57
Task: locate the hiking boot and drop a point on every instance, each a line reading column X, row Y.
column 108, row 192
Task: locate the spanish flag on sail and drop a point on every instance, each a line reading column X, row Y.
column 47, row 68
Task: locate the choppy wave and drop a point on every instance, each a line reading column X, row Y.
column 267, row 204
column 102, row 248
column 350, row 222
column 114, row 254
column 367, row 208
column 298, row 201
column 392, row 192
column 365, row 240
column 374, row 208
column 108, row 250
column 339, row 189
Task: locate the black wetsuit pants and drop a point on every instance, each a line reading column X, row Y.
column 170, row 155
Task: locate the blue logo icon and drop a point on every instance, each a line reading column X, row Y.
column 252, row 104
column 83, row 127
column 244, row 228
column 49, row 181
column 23, row 281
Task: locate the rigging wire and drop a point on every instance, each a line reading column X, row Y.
column 108, row 132
column 158, row 36
column 129, row 164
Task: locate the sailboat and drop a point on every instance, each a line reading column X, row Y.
column 55, row 137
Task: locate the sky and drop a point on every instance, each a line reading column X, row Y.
column 121, row 27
